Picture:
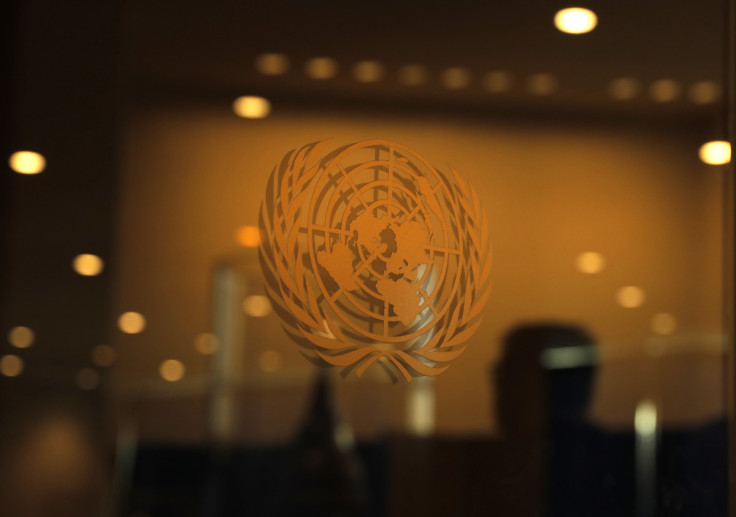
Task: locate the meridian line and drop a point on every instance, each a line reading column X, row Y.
column 425, row 295
column 442, row 250
column 350, row 181
column 327, row 229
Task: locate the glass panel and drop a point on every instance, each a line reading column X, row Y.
column 596, row 383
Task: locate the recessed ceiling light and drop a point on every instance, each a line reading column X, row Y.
column 576, row 20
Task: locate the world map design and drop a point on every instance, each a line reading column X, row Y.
column 374, row 257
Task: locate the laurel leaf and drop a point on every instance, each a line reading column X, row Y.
column 462, row 336
column 300, row 313
column 299, row 278
column 399, row 366
column 324, row 342
column 284, row 197
column 347, row 358
column 417, row 365
column 366, row 363
column 285, row 277
column 479, row 304
column 296, row 205
column 442, row 356
column 312, row 300
column 453, row 321
column 459, row 182
column 315, row 154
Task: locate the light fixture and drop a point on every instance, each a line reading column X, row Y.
column 717, row 152
column 131, row 322
column 576, row 20
column 321, row 68
column 251, row 106
column 27, row 162
column 87, row 264
column 172, row 370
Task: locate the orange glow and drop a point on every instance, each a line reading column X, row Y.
column 11, row 365
column 27, row 162
column 590, row 262
column 455, row 78
column 412, row 75
column 257, row 306
column 663, row 323
column 21, row 337
column 498, row 81
column 172, row 370
column 705, row 92
column 368, row 71
column 103, row 355
column 321, row 68
column 541, row 84
column 131, row 322
column 206, row 343
column 272, row 64
column 575, row 20
column 248, row 236
column 665, row 90
column 251, row 106
column 87, row 265
column 630, row 297
column 624, row 88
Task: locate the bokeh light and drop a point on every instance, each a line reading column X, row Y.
column 541, row 84
column 103, row 355
column 575, row 20
column 590, row 262
column 321, row 68
column 21, row 337
column 257, row 306
column 704, row 92
column 630, row 296
column 368, row 71
column 269, row 361
column 131, row 322
column 87, row 264
column 498, row 81
column 272, row 64
column 412, row 75
column 11, row 365
column 455, row 78
column 251, row 106
column 27, row 162
column 663, row 323
column 624, row 88
column 87, row 379
column 717, row 152
column 248, row 236
column 665, row 90
column 172, row 370
column 206, row 343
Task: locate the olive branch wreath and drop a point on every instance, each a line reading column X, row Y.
column 294, row 298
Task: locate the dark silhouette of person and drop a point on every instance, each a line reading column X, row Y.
column 561, row 464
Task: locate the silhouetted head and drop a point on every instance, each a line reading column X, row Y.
column 546, row 371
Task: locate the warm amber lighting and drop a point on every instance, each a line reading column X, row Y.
column 717, row 152
column 206, row 343
column 27, row 162
column 575, row 20
column 541, row 84
column 272, row 64
column 131, row 322
column 368, row 71
column 624, row 88
column 665, row 90
column 257, row 306
column 498, row 81
column 171, row 370
column 11, row 365
column 87, row 265
column 103, row 355
column 412, row 75
column 630, row 297
column 248, row 236
column 87, row 379
column 590, row 262
column 321, row 68
column 21, row 337
column 663, row 323
column 251, row 106
column 704, row 92
column 269, row 361
column 455, row 78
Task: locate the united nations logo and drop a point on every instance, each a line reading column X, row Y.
column 374, row 257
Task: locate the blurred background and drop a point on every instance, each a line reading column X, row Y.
column 143, row 371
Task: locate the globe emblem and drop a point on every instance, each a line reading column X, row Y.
column 380, row 242
column 373, row 256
